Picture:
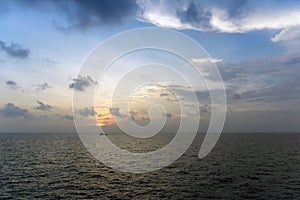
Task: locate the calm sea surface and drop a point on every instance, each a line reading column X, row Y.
column 241, row 166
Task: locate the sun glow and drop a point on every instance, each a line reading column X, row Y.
column 104, row 117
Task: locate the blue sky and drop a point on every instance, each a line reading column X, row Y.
column 43, row 44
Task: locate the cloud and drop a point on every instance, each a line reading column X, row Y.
column 287, row 34
column 205, row 109
column 228, row 16
column 68, row 117
column 94, row 12
column 116, row 112
column 222, row 16
column 44, row 107
column 87, row 112
column 133, row 115
column 164, row 94
column 140, row 116
column 81, row 83
column 206, row 60
column 13, row 85
column 265, row 80
column 43, row 86
column 186, row 93
column 290, row 37
column 161, row 14
column 14, row 50
column 81, row 15
column 255, row 20
column 195, row 16
column 12, row 111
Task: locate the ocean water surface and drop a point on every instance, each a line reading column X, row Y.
column 241, row 166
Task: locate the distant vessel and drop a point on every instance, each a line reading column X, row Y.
column 102, row 133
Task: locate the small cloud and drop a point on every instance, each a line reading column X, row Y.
column 43, row 86
column 164, row 94
column 81, row 83
column 42, row 106
column 87, row 112
column 132, row 115
column 207, row 60
column 12, row 111
column 14, row 50
column 13, row 85
column 116, row 112
column 67, row 116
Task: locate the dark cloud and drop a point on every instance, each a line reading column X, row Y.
column 234, row 8
column 81, row 83
column 88, row 13
column 12, row 111
column 229, row 73
column 87, row 112
column 281, row 92
column 132, row 115
column 116, row 112
column 164, row 94
column 195, row 15
column 139, row 117
column 67, row 116
column 14, row 50
column 94, row 12
column 44, row 107
column 270, row 80
column 43, row 86
column 13, row 85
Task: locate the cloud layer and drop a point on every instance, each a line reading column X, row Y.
column 272, row 80
column 228, row 16
column 222, row 16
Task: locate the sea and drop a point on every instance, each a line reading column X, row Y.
column 241, row 166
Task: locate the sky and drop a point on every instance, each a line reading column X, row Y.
column 43, row 45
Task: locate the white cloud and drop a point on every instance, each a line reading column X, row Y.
column 162, row 15
column 287, row 34
column 267, row 19
column 163, row 20
column 257, row 17
column 206, row 60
